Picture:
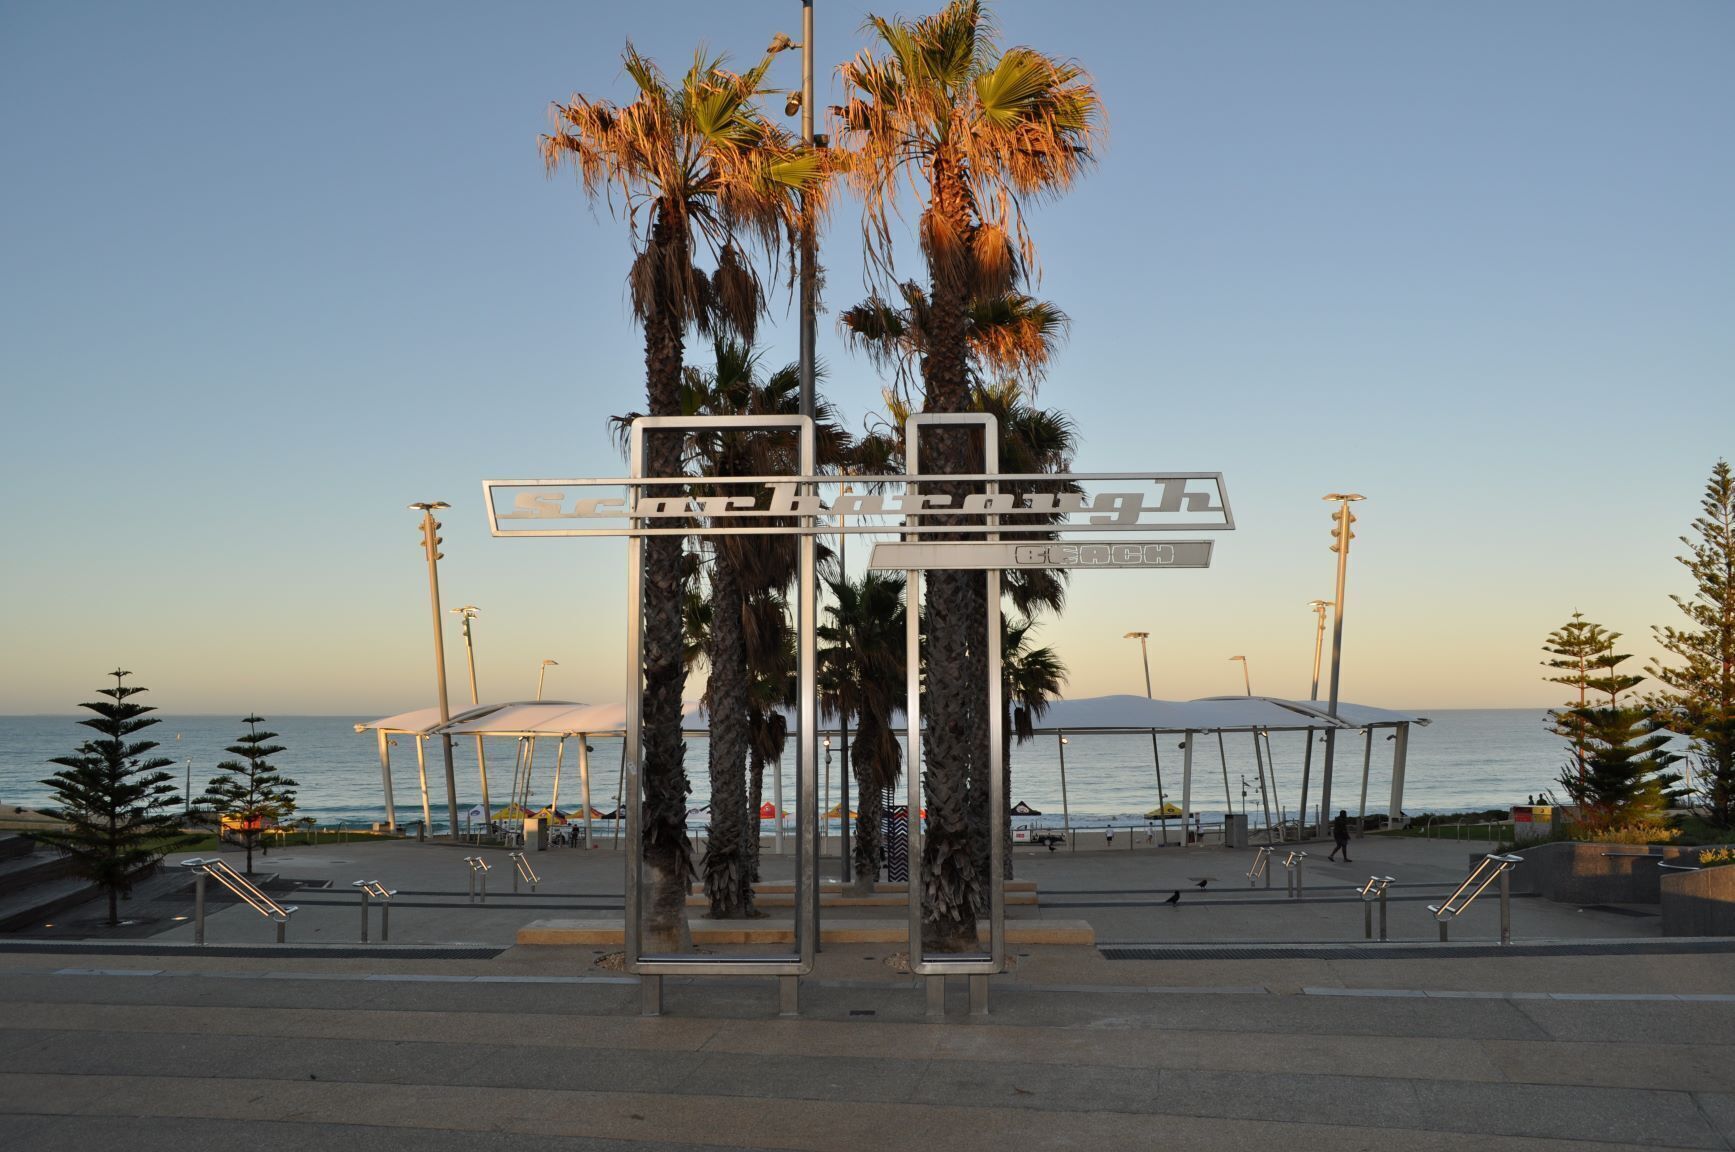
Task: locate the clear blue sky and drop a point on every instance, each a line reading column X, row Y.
column 274, row 271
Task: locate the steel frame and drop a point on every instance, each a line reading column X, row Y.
column 651, row 968
column 994, row 960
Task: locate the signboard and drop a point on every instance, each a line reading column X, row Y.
column 987, row 554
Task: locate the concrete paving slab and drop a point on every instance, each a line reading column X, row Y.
column 1658, row 1119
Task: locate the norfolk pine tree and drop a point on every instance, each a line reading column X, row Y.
column 1699, row 692
column 1575, row 647
column 118, row 805
column 250, row 791
column 1619, row 776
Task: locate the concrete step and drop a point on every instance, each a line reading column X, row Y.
column 883, row 886
column 21, row 873
column 43, row 901
column 835, row 899
column 612, row 932
column 13, row 846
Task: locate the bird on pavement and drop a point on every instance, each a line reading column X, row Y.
column 1175, row 899
column 1203, row 882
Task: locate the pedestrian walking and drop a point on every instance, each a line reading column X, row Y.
column 1340, row 836
column 1108, row 835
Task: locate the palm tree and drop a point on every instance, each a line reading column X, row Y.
column 1032, row 678
column 864, row 664
column 697, row 164
column 979, row 132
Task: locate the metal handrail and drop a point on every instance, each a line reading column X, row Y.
column 374, row 890
column 1374, row 889
column 249, row 893
column 478, row 867
column 1492, row 866
column 1261, row 867
column 1678, row 867
column 1293, row 873
column 521, row 867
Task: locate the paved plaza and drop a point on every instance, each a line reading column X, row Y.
column 1236, row 1016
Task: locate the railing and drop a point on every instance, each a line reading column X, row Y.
column 478, row 867
column 374, row 890
column 1374, row 890
column 1665, row 865
column 1492, row 866
column 1261, row 867
column 238, row 884
column 521, row 868
column 1292, row 873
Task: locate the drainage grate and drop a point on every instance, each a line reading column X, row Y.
column 1411, row 951
column 259, row 951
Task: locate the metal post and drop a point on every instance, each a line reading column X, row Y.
column 1367, row 908
column 650, row 994
column 385, row 921
column 364, row 900
column 469, row 612
column 1383, row 907
column 584, row 783
column 936, row 996
column 281, row 925
column 1065, row 807
column 422, row 773
column 1400, row 751
column 1505, row 904
column 484, row 899
column 777, row 803
column 789, row 995
column 1186, row 792
column 1300, row 876
column 808, row 275
column 1264, row 798
column 1162, row 800
column 431, row 546
column 199, row 906
column 1341, row 547
column 978, row 994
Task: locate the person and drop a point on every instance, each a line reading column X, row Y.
column 1108, row 836
column 1340, row 835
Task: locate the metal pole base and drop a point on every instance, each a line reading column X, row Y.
column 936, row 996
column 979, row 994
column 650, row 995
column 789, row 995
column 281, row 925
column 385, row 923
column 1442, row 931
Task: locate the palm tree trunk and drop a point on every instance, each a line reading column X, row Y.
column 950, row 879
column 1005, row 815
column 870, row 781
column 726, row 850
column 755, row 799
column 667, row 853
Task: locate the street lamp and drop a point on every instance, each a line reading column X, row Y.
column 431, row 547
column 1340, row 538
column 541, row 672
column 468, row 613
column 1319, row 607
column 1144, row 651
column 1246, row 679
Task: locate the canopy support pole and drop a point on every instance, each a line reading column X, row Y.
column 1223, row 755
column 584, row 781
column 620, row 797
column 386, row 780
column 1162, row 814
column 1271, row 766
column 422, row 771
column 1367, row 762
column 1186, row 789
column 1400, row 752
column 1065, row 806
column 1306, row 779
column 559, row 759
column 1264, row 796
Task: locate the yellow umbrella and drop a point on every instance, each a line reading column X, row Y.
column 1165, row 810
column 836, row 810
column 512, row 811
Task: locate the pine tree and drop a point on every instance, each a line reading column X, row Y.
column 1575, row 647
column 1619, row 775
column 250, row 791
column 118, row 805
column 1699, row 693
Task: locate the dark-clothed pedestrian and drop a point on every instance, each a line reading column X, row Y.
column 1340, row 836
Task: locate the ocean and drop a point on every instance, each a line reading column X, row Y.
column 1467, row 759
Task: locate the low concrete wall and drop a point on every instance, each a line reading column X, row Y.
column 1699, row 903
column 1575, row 873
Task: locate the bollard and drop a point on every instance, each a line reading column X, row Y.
column 281, row 925
column 1367, row 908
column 386, row 922
column 472, row 864
column 363, row 912
column 1383, row 910
column 199, row 907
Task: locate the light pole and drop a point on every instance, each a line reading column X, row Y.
column 1246, row 678
column 468, row 613
column 1319, row 607
column 1341, row 536
column 1156, row 758
column 431, row 546
column 542, row 672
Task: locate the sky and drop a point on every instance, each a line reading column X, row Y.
column 273, row 272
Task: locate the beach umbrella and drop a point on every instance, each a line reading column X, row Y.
column 1023, row 809
column 1166, row 811
column 553, row 815
column 768, row 811
column 836, row 810
column 513, row 811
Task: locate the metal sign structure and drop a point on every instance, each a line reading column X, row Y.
column 1014, row 529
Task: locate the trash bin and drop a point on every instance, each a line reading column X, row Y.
column 1235, row 830
column 535, row 834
